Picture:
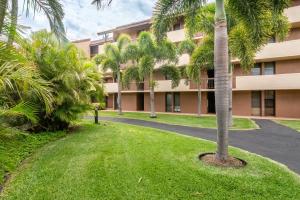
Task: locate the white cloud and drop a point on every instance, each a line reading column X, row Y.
column 83, row 20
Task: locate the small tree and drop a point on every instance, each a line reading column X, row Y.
column 113, row 58
column 148, row 56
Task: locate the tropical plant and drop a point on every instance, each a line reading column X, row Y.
column 201, row 59
column 148, row 56
column 113, row 59
column 51, row 8
column 21, row 87
column 73, row 80
column 262, row 18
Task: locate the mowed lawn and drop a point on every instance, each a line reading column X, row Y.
column 293, row 124
column 118, row 161
column 184, row 120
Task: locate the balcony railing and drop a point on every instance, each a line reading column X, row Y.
column 206, row 84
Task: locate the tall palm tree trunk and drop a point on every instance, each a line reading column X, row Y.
column 14, row 20
column 221, row 79
column 119, row 100
column 230, row 119
column 199, row 100
column 3, row 6
column 152, row 103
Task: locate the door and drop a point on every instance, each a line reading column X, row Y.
column 256, row 103
column 140, row 101
column 270, row 103
column 177, row 102
column 211, row 107
column 210, row 81
column 169, row 99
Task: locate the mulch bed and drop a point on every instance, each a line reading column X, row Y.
column 210, row 159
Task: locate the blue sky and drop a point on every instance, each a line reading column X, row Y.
column 83, row 20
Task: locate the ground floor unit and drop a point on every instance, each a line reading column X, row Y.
column 278, row 103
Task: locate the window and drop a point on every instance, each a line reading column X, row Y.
column 177, row 26
column 256, row 70
column 269, row 68
column 256, row 103
column 272, row 39
column 168, row 102
column 177, row 102
column 270, row 103
column 168, row 77
column 94, row 49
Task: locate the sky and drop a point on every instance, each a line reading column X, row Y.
column 83, row 20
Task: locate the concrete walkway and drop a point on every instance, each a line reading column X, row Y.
column 274, row 141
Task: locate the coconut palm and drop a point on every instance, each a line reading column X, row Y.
column 256, row 16
column 148, row 56
column 113, row 59
column 51, row 8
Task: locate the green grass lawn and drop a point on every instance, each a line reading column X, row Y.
column 294, row 124
column 185, row 120
column 16, row 145
column 118, row 161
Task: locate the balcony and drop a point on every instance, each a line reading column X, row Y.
column 206, row 84
column 166, row 86
column 278, row 51
column 111, row 87
column 268, row 82
column 134, row 87
column 293, row 15
column 176, row 36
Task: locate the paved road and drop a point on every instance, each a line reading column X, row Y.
column 272, row 140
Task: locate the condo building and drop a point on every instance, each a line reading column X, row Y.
column 270, row 88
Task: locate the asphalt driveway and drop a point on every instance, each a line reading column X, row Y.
column 272, row 140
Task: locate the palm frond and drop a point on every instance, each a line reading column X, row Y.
column 186, row 46
column 131, row 74
column 101, row 3
column 53, row 10
column 173, row 72
column 166, row 11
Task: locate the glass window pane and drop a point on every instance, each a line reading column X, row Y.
column 256, row 99
column 269, row 68
column 176, row 102
column 256, row 70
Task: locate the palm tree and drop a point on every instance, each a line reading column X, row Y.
column 73, row 80
column 51, row 8
column 201, row 59
column 256, row 16
column 113, row 59
column 148, row 56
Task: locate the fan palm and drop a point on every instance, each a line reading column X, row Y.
column 148, row 56
column 256, row 16
column 112, row 59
